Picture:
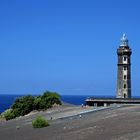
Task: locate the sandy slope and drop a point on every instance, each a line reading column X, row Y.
column 114, row 123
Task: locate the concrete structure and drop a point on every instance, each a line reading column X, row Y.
column 108, row 101
column 124, row 69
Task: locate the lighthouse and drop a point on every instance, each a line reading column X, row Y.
column 123, row 95
column 124, row 69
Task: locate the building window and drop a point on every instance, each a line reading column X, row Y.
column 125, row 68
column 124, row 77
column 124, row 58
column 124, row 86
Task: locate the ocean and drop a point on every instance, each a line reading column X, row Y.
column 7, row 100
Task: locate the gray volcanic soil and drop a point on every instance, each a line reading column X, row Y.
column 114, row 123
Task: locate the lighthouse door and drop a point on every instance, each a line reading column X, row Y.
column 124, row 95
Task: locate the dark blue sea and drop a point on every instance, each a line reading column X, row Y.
column 7, row 100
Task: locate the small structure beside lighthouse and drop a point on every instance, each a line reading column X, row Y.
column 124, row 69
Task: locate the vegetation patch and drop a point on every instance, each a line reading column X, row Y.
column 8, row 114
column 40, row 122
column 24, row 105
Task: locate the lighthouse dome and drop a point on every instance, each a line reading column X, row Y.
column 124, row 41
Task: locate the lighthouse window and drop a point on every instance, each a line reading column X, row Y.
column 124, row 86
column 125, row 67
column 124, row 77
column 124, row 58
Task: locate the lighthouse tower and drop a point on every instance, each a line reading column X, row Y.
column 124, row 69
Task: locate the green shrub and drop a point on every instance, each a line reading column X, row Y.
column 37, row 103
column 40, row 122
column 8, row 114
column 47, row 100
column 23, row 105
column 26, row 104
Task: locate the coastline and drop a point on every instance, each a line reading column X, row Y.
column 7, row 100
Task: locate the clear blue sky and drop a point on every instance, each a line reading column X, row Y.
column 68, row 46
